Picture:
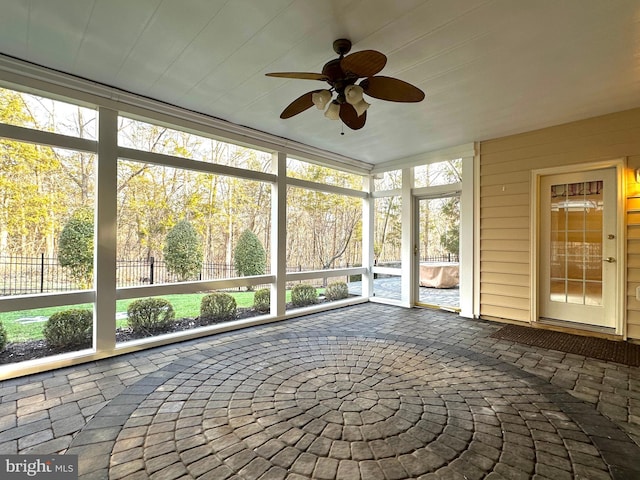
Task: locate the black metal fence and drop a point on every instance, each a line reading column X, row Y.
column 447, row 257
column 30, row 275
column 131, row 273
column 26, row 275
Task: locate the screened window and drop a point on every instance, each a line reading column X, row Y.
column 160, row 139
column 178, row 225
column 439, row 173
column 388, row 180
column 329, row 176
column 40, row 113
column 324, row 230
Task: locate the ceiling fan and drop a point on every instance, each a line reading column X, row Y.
column 342, row 74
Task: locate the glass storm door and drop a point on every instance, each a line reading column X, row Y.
column 578, row 247
column 438, row 251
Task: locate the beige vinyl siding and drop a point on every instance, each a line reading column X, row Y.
column 505, row 175
column 502, row 280
column 633, row 248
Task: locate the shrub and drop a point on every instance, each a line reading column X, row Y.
column 262, row 300
column 69, row 328
column 249, row 256
column 218, row 307
column 183, row 252
column 303, row 295
column 150, row 315
column 336, row 291
column 3, row 337
column 75, row 246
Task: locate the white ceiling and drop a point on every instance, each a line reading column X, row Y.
column 489, row 68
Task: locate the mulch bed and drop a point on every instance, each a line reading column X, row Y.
column 19, row 352
column 15, row 352
column 600, row 348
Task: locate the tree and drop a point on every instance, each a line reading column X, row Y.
column 34, row 202
column 325, row 229
column 451, row 218
column 183, row 251
column 75, row 249
column 387, row 229
column 249, row 256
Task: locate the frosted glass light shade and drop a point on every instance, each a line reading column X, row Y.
column 333, row 112
column 353, row 94
column 361, row 106
column 321, row 98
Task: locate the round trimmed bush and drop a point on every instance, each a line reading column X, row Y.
column 336, row 291
column 217, row 307
column 3, row 337
column 150, row 315
column 262, row 300
column 303, row 295
column 69, row 328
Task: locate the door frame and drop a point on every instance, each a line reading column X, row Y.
column 534, row 235
column 440, row 191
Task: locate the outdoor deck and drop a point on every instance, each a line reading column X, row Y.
column 369, row 391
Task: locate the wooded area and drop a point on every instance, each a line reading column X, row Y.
column 41, row 188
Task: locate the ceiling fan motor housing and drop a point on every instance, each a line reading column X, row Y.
column 337, row 78
column 342, row 46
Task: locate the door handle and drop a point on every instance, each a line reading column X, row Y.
column 609, row 260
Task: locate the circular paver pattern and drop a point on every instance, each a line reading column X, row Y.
column 348, row 406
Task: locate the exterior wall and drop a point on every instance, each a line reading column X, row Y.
column 505, row 173
column 633, row 248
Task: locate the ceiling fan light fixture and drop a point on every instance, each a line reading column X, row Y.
column 333, row 112
column 342, row 73
column 321, row 98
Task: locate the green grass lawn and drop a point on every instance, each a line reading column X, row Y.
column 185, row 306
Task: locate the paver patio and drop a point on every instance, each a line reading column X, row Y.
column 369, row 391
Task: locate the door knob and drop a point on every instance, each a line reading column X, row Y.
column 609, row 260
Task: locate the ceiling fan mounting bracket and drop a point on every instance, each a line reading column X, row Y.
column 342, row 46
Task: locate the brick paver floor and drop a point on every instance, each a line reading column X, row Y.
column 364, row 392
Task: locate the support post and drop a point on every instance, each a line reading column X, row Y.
column 105, row 250
column 368, row 218
column 279, row 234
column 409, row 246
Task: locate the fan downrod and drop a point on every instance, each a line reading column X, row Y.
column 342, row 46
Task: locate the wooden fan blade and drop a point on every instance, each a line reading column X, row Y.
column 350, row 117
column 299, row 105
column 391, row 89
column 298, row 75
column 364, row 64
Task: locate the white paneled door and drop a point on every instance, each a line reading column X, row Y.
column 578, row 247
